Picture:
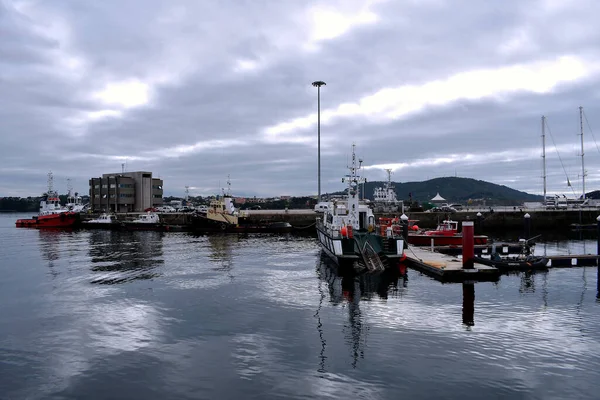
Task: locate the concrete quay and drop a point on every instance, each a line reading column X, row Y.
column 505, row 219
column 509, row 219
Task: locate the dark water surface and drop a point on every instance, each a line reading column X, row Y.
column 147, row 315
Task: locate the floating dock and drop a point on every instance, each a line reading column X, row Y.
column 447, row 268
column 502, row 248
column 572, row 260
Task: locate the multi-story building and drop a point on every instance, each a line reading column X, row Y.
column 125, row 192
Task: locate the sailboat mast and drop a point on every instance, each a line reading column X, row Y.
column 582, row 165
column 544, row 153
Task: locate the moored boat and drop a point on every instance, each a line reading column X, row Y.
column 446, row 234
column 348, row 233
column 222, row 216
column 148, row 221
column 51, row 214
column 104, row 221
column 514, row 263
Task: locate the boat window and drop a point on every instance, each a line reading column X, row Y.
column 329, row 218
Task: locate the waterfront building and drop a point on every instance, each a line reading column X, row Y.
column 125, row 192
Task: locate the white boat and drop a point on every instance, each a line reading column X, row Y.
column 384, row 198
column 148, row 221
column 349, row 233
column 104, row 221
column 148, row 218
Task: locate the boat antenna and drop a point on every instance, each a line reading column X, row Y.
column 583, row 174
column 50, row 183
column 544, row 154
column 69, row 188
column 362, row 190
column 187, row 193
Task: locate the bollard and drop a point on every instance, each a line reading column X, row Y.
column 468, row 311
column 404, row 220
column 468, row 244
column 527, row 218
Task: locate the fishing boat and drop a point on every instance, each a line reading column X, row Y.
column 446, row 234
column 349, row 235
column 104, row 221
column 51, row 214
column 222, row 216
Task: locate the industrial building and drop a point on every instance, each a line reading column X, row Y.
column 125, row 192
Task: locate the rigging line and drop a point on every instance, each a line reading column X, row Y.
column 559, row 158
column 591, row 131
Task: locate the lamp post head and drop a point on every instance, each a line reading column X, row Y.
column 318, row 83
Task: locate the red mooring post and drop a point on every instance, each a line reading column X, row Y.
column 468, row 244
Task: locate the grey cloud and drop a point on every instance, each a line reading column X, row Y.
column 187, row 52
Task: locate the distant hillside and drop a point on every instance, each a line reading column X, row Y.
column 456, row 190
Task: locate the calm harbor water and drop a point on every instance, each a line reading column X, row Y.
column 148, row 315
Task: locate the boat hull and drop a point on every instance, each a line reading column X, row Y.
column 202, row 224
column 62, row 220
column 344, row 251
column 441, row 240
column 515, row 264
column 101, row 225
column 144, row 226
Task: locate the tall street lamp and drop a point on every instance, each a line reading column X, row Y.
column 318, row 85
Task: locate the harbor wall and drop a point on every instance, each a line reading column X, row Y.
column 546, row 220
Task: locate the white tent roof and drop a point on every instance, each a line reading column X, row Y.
column 438, row 198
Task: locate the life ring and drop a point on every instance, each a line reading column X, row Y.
column 223, row 226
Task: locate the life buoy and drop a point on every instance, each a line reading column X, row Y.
column 223, row 226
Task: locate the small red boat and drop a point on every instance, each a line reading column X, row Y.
column 51, row 215
column 446, row 234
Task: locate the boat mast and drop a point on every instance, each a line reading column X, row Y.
column 582, row 165
column 353, row 180
column 544, row 153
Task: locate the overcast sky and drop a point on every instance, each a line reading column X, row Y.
column 196, row 90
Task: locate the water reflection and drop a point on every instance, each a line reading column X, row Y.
column 527, row 284
column 119, row 257
column 468, row 306
column 50, row 247
column 348, row 290
column 221, row 252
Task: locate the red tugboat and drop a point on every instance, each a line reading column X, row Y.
column 51, row 214
column 446, row 234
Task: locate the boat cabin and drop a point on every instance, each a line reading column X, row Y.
column 445, row 228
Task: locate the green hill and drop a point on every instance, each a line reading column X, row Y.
column 456, row 190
